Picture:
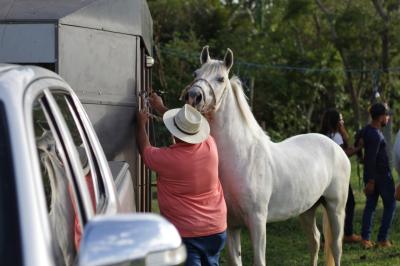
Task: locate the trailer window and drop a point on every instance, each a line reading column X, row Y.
column 9, row 221
column 89, row 164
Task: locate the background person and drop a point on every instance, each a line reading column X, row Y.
column 377, row 177
column 333, row 127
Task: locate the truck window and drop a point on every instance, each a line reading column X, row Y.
column 89, row 164
column 9, row 222
column 61, row 202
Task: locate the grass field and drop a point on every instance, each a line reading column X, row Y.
column 287, row 244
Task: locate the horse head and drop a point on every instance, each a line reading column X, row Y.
column 211, row 80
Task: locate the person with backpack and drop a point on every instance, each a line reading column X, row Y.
column 377, row 177
column 333, row 127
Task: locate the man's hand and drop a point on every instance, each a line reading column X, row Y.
column 369, row 188
column 341, row 126
column 142, row 118
column 141, row 136
column 397, row 193
column 360, row 144
column 157, row 104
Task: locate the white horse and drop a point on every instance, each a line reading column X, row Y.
column 265, row 181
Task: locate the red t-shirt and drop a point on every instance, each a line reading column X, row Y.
column 190, row 195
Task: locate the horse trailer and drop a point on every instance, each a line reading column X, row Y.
column 103, row 50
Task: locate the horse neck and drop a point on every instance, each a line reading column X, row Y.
column 229, row 125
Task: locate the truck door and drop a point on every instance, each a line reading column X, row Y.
column 71, row 175
column 10, row 243
column 61, row 193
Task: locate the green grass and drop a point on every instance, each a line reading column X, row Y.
column 287, row 243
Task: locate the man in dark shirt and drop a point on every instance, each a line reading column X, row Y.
column 377, row 178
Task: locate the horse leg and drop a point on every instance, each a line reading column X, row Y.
column 234, row 246
column 309, row 224
column 257, row 227
column 334, row 222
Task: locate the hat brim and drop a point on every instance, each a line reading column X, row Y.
column 199, row 137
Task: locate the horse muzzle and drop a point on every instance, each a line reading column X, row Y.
column 194, row 97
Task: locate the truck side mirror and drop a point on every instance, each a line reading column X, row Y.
column 131, row 239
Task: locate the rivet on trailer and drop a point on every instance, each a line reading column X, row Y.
column 103, row 49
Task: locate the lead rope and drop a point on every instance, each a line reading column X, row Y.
column 145, row 97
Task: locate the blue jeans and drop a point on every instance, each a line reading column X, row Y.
column 204, row 250
column 384, row 187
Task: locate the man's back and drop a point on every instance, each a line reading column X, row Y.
column 376, row 161
column 189, row 191
column 186, row 168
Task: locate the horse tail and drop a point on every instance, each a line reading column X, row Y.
column 328, row 239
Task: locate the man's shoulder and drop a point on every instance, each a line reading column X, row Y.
column 155, row 151
column 210, row 139
column 372, row 133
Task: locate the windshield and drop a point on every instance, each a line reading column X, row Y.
column 9, row 225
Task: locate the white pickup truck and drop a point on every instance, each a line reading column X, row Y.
column 59, row 202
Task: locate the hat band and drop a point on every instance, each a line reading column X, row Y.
column 182, row 130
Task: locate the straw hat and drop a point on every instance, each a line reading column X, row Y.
column 187, row 124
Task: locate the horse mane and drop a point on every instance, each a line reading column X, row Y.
column 241, row 100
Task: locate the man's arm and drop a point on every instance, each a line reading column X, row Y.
column 141, row 136
column 350, row 151
column 371, row 150
column 156, row 102
column 397, row 193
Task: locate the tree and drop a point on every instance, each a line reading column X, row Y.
column 303, row 56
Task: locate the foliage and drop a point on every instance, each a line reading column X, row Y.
column 294, row 50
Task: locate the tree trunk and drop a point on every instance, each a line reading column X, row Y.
column 348, row 75
column 385, row 61
column 355, row 101
column 354, row 96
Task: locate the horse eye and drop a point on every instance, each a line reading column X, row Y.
column 194, row 74
column 220, row 79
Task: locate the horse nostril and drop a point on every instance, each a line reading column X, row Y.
column 198, row 98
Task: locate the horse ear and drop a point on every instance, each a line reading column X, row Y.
column 205, row 55
column 228, row 59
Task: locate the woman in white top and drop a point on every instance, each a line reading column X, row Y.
column 333, row 127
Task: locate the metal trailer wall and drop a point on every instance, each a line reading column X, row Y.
column 103, row 68
column 99, row 48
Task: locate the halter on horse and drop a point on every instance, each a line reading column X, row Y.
column 203, row 109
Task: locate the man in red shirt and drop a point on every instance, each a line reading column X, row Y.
column 190, row 195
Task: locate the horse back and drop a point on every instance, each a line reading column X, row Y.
column 305, row 168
